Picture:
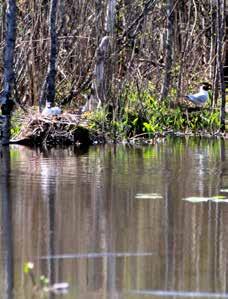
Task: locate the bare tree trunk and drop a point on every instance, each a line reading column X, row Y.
column 3, row 20
column 100, row 81
column 48, row 88
column 8, row 75
column 169, row 50
column 110, row 17
column 98, row 17
column 32, row 57
column 185, row 41
column 220, row 42
column 212, row 34
column 101, row 84
column 213, row 53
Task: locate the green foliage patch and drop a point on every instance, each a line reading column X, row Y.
column 140, row 112
column 17, row 121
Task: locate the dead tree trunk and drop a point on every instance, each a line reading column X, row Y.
column 220, row 42
column 101, row 82
column 169, row 50
column 214, row 75
column 110, row 17
column 48, row 88
column 98, row 17
column 8, row 74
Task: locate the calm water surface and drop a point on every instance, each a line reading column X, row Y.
column 112, row 222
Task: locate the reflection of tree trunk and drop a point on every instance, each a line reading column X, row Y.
column 210, row 261
column 49, row 175
column 98, row 272
column 8, row 75
column 7, row 236
column 217, row 243
column 169, row 273
column 219, row 225
column 112, row 261
column 6, row 125
column 99, row 267
column 111, row 276
column 51, row 238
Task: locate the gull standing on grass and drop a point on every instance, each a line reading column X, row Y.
column 201, row 97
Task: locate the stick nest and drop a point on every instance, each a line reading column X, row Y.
column 63, row 129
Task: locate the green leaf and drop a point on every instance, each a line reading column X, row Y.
column 28, row 267
column 44, row 280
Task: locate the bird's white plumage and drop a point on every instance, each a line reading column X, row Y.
column 51, row 111
column 199, row 98
column 55, row 110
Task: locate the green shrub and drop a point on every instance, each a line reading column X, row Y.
column 140, row 111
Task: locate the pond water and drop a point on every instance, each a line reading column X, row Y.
column 112, row 220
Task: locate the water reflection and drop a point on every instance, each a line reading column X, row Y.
column 111, row 221
column 7, row 273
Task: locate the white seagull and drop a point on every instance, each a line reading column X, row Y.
column 49, row 111
column 200, row 98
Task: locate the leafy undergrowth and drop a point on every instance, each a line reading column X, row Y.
column 138, row 117
column 142, row 116
column 41, row 284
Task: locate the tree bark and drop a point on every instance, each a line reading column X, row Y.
column 169, row 50
column 102, row 77
column 110, row 17
column 48, row 88
column 220, row 41
column 213, row 53
column 100, row 86
column 8, row 74
column 102, row 81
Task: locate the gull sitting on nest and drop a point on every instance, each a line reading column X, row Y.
column 51, row 111
column 201, row 97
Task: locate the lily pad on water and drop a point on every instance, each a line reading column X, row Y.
column 224, row 190
column 217, row 198
column 196, row 199
column 148, row 196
